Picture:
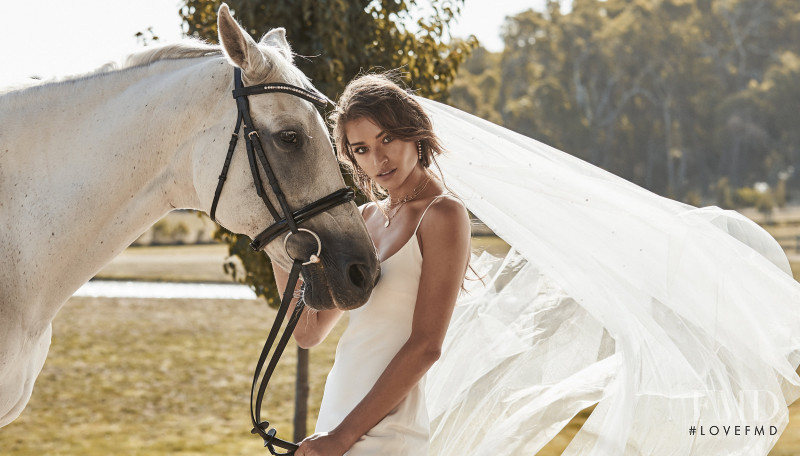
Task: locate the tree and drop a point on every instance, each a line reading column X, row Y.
column 670, row 94
column 339, row 39
column 345, row 37
column 476, row 87
column 781, row 89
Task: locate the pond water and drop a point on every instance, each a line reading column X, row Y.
column 164, row 290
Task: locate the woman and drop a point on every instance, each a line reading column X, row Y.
column 671, row 320
column 374, row 402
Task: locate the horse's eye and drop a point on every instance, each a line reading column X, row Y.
column 289, row 136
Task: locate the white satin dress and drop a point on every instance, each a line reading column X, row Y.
column 375, row 333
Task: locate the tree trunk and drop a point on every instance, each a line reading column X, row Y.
column 301, row 395
column 667, row 119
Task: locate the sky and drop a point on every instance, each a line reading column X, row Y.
column 50, row 38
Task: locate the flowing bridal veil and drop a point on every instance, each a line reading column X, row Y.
column 670, row 318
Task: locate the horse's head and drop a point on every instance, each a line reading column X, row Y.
column 296, row 143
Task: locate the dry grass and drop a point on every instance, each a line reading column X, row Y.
column 789, row 442
column 156, row 377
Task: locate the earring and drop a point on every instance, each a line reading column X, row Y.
column 419, row 150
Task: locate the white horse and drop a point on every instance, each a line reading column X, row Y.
column 89, row 164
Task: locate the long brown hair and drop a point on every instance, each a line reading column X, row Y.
column 378, row 98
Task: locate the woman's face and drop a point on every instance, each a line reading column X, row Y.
column 386, row 160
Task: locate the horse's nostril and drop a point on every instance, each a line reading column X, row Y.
column 358, row 275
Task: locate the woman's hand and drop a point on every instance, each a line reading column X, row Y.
column 323, row 444
column 314, row 325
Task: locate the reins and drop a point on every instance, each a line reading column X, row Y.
column 260, row 427
column 288, row 223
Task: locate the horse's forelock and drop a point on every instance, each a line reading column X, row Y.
column 276, row 67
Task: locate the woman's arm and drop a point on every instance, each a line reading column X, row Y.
column 445, row 243
column 314, row 325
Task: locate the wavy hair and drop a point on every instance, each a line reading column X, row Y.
column 392, row 108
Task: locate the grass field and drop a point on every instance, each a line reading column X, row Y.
column 158, row 377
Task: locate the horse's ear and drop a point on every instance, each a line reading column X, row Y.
column 237, row 44
column 276, row 38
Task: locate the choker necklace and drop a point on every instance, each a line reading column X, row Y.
column 398, row 204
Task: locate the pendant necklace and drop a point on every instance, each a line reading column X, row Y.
column 398, row 204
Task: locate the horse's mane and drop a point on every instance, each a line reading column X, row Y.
column 273, row 68
column 188, row 48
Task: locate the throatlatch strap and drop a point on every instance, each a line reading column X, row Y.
column 224, row 174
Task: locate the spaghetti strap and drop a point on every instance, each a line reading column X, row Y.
column 364, row 206
column 425, row 211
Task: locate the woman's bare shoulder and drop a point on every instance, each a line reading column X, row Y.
column 368, row 208
column 444, row 232
column 447, row 214
column 448, row 206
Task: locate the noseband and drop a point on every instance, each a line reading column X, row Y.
column 283, row 224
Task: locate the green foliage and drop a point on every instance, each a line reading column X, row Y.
column 477, row 85
column 741, row 137
column 257, row 270
column 340, row 39
column 166, row 232
column 779, row 194
column 673, row 95
column 694, row 198
column 746, row 197
column 761, row 196
column 724, row 193
column 765, row 204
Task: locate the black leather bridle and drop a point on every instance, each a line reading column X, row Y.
column 288, row 223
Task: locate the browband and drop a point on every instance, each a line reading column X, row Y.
column 314, row 97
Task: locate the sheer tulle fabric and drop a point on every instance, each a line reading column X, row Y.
column 664, row 315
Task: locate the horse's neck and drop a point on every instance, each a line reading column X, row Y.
column 100, row 160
